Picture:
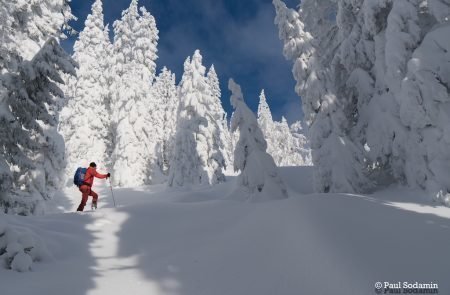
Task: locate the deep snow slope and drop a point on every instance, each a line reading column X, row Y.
column 196, row 242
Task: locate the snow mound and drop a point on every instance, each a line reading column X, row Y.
column 19, row 248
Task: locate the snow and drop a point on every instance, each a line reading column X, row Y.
column 19, row 248
column 194, row 242
column 22, row 262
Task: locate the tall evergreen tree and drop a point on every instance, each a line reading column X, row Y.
column 339, row 163
column 85, row 120
column 134, row 130
column 259, row 174
column 281, row 144
column 222, row 136
column 425, row 97
column 30, row 144
column 301, row 143
column 164, row 93
column 286, row 149
column 31, row 60
column 197, row 157
column 268, row 128
column 265, row 119
column 26, row 25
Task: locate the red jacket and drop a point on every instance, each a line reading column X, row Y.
column 89, row 177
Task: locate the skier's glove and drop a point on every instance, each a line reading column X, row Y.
column 108, row 175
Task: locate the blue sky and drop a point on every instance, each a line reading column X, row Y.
column 237, row 36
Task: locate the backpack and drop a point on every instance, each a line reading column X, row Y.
column 78, row 178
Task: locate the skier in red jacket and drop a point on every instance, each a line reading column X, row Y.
column 86, row 187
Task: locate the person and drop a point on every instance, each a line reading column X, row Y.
column 86, row 187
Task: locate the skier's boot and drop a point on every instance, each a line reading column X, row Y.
column 94, row 205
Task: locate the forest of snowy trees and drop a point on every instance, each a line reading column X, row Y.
column 374, row 78
column 107, row 103
column 194, row 193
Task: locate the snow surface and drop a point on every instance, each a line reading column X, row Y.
column 198, row 242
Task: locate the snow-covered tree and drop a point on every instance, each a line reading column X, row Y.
column 281, row 144
column 425, row 96
column 31, row 60
column 135, row 41
column 197, row 157
column 265, row 119
column 30, row 144
column 336, row 86
column 26, row 25
column 301, row 143
column 269, row 129
column 385, row 135
column 259, row 174
column 379, row 39
column 286, row 148
column 164, row 93
column 222, row 136
column 85, row 120
column 134, row 129
column 213, row 82
column 338, row 159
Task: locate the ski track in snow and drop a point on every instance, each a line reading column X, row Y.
column 196, row 242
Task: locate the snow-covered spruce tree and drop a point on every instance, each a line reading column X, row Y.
column 164, row 93
column 135, row 129
column 377, row 39
column 425, row 97
column 222, row 136
column 31, row 157
column 135, row 41
column 197, row 158
column 85, row 120
column 281, row 144
column 265, row 119
column 30, row 144
column 409, row 67
column 338, row 159
column 270, row 130
column 26, row 25
column 286, row 148
column 378, row 125
column 259, row 174
column 234, row 138
column 301, row 143
column 381, row 37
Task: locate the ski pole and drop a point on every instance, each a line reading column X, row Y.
column 112, row 193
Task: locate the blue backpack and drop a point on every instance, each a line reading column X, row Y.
column 78, row 178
